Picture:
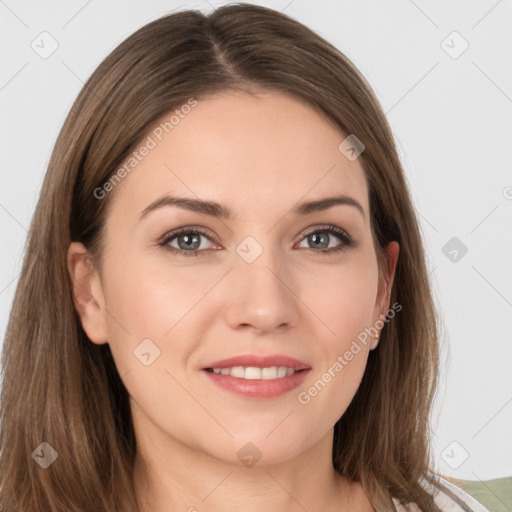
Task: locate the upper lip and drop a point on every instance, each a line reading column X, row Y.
column 259, row 361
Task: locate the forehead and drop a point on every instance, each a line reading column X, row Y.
column 267, row 151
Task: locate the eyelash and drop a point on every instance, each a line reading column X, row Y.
column 346, row 240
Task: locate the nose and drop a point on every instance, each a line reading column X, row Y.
column 262, row 296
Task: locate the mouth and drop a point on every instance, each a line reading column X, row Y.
column 255, row 382
column 256, row 373
column 254, row 376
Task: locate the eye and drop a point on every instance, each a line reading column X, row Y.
column 186, row 241
column 189, row 241
column 323, row 240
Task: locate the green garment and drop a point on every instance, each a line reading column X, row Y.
column 495, row 495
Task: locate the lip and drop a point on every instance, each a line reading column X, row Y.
column 260, row 361
column 258, row 388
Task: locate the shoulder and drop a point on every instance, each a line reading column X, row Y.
column 448, row 497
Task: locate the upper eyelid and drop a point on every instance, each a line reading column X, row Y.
column 187, row 229
column 170, row 235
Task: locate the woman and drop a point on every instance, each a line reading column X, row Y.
column 290, row 364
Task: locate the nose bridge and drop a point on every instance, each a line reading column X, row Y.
column 262, row 294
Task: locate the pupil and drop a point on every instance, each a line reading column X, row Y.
column 191, row 241
column 316, row 238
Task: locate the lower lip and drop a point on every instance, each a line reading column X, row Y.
column 258, row 388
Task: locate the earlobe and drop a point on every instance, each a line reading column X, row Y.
column 87, row 293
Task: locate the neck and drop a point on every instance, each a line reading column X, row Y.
column 170, row 475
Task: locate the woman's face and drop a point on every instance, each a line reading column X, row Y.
column 275, row 278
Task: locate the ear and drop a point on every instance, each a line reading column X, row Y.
column 386, row 278
column 87, row 293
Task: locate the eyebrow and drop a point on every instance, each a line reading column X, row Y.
column 217, row 210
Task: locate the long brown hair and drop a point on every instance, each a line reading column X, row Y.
column 62, row 389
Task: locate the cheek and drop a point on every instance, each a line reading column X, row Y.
column 342, row 299
column 150, row 299
column 156, row 303
column 155, row 325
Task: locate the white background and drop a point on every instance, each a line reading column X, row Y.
column 452, row 121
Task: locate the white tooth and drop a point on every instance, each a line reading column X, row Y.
column 238, row 371
column 252, row 373
column 281, row 372
column 269, row 373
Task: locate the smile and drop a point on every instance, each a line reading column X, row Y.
column 252, row 372
column 256, row 383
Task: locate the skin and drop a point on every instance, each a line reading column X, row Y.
column 259, row 156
